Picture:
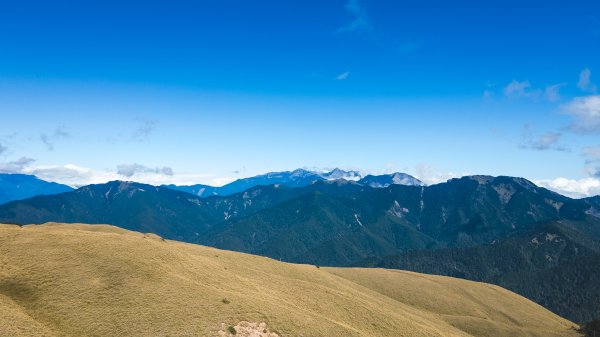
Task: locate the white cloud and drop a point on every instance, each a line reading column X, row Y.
column 430, row 175
column 343, row 76
column 70, row 174
column 574, row 188
column 516, row 89
column 76, row 176
column 585, row 81
column 578, row 188
column 586, row 114
column 217, row 181
column 359, row 18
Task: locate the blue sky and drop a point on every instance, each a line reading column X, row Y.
column 212, row 91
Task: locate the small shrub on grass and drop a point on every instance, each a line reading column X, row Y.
column 226, row 301
column 231, row 330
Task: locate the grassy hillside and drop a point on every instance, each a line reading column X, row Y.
column 80, row 280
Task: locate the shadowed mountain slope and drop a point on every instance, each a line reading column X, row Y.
column 552, row 265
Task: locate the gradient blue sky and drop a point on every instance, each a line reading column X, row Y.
column 211, row 91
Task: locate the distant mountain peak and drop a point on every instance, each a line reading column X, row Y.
column 120, row 184
column 112, row 189
column 487, row 179
column 302, row 173
column 338, row 173
column 481, row 179
column 385, row 180
column 17, row 186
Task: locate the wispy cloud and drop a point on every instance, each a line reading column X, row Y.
column 359, row 18
column 488, row 91
column 544, row 142
column 516, row 89
column 591, row 154
column 143, row 130
column 343, row 76
column 3, row 149
column 548, row 141
column 585, row 112
column 585, row 81
column 50, row 139
column 592, row 160
column 17, row 166
column 524, row 90
column 130, row 170
column 552, row 92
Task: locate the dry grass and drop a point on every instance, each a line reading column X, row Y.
column 80, row 280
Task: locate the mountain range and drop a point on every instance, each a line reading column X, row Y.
column 502, row 230
column 298, row 178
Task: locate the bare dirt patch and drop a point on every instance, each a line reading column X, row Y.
column 247, row 329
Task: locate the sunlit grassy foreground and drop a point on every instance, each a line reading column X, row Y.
column 81, row 280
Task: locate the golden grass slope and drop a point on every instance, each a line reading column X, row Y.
column 81, row 280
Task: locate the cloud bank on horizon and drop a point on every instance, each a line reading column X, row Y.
column 434, row 90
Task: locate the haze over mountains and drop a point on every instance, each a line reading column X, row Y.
column 502, row 230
